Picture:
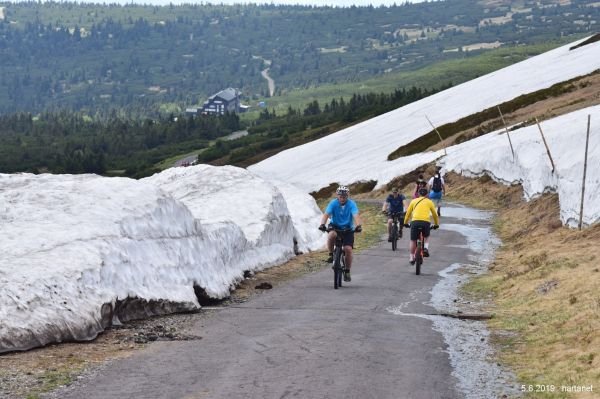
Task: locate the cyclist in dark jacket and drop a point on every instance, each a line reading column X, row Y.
column 394, row 203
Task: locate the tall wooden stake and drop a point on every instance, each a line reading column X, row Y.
column 507, row 134
column 545, row 144
column 438, row 133
column 587, row 141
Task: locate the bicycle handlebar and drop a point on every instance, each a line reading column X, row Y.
column 433, row 226
column 329, row 228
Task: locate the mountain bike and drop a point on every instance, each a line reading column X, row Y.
column 396, row 228
column 419, row 256
column 419, row 252
column 339, row 255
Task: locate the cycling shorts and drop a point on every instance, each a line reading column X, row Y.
column 399, row 216
column 434, row 195
column 348, row 238
column 417, row 225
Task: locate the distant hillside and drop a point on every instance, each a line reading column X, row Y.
column 141, row 60
column 68, row 142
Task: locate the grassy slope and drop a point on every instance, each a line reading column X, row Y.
column 545, row 284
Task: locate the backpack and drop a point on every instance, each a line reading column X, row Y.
column 436, row 187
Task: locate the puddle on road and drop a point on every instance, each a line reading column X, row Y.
column 462, row 212
column 480, row 240
column 471, row 356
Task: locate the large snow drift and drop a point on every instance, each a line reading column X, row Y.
column 360, row 152
column 75, row 247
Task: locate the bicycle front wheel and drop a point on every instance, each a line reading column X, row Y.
column 337, row 268
column 394, row 237
column 342, row 268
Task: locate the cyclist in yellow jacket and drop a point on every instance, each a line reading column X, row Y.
column 420, row 209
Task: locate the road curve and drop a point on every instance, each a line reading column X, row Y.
column 270, row 81
column 306, row 340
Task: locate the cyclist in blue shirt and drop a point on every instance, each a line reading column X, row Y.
column 394, row 204
column 343, row 214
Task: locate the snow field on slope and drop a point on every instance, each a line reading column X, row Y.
column 360, row 152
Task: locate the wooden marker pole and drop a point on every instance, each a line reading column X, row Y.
column 507, row 134
column 587, row 141
column 438, row 133
column 545, row 144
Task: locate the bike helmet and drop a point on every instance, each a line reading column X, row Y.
column 342, row 190
column 423, row 191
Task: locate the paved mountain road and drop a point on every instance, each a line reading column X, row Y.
column 306, row 340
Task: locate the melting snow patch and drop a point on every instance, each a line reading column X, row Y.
column 311, row 166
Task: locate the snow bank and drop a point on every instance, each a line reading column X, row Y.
column 302, row 208
column 565, row 135
column 75, row 247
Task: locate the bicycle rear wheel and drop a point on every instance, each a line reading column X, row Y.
column 418, row 258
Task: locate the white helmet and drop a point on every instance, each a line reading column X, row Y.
column 342, row 190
